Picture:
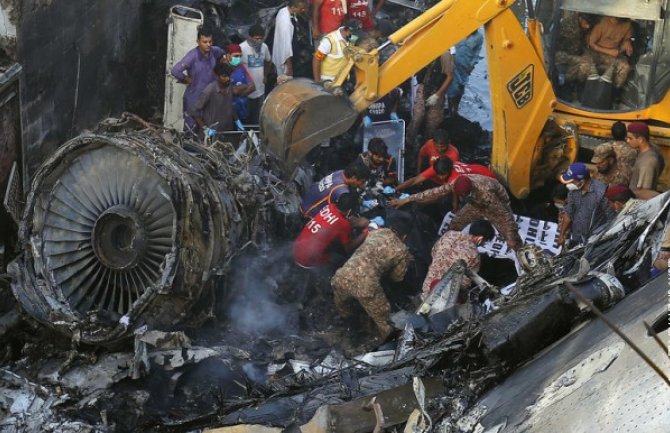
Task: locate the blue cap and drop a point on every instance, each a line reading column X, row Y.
column 576, row 171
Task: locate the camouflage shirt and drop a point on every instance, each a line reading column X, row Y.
column 624, row 153
column 486, row 192
column 451, row 247
column 381, row 253
column 619, row 175
column 571, row 37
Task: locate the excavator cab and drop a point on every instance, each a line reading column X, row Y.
column 636, row 80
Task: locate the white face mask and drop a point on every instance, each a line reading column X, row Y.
column 559, row 205
column 573, row 187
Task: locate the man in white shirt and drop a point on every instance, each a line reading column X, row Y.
column 256, row 57
column 282, row 49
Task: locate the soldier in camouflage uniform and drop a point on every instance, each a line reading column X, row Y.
column 454, row 246
column 483, row 196
column 382, row 253
column 572, row 43
column 610, row 47
column 625, row 154
column 609, row 170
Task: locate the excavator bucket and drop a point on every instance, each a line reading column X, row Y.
column 298, row 115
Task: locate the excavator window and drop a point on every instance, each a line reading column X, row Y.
column 626, row 77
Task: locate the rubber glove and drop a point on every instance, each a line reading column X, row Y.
column 432, row 100
column 394, row 117
column 367, row 122
column 403, row 196
column 209, row 132
column 239, row 125
column 389, row 190
column 369, row 204
column 379, row 221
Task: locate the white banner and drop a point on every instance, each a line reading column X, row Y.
column 532, row 231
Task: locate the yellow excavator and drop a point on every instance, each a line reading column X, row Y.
column 538, row 125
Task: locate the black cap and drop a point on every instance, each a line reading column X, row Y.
column 352, row 24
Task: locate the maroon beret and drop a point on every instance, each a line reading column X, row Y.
column 638, row 128
column 615, row 192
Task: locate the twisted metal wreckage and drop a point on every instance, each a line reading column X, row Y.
column 128, row 232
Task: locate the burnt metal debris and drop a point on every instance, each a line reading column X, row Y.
column 126, row 227
column 89, row 270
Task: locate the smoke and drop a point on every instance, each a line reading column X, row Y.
column 257, row 307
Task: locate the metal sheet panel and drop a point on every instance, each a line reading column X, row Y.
column 634, row 9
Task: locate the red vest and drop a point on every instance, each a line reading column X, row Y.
column 359, row 9
column 331, row 16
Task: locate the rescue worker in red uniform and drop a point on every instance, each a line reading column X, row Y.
column 445, row 171
column 330, row 228
column 439, row 146
column 327, row 16
column 361, row 10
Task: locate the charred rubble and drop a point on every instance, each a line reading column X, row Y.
column 222, row 331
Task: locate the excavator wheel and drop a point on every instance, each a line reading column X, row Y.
column 298, row 115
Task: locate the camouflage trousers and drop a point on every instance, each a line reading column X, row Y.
column 572, row 65
column 433, row 117
column 500, row 216
column 579, row 68
column 368, row 292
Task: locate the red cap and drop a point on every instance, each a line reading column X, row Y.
column 638, row 128
column 462, row 185
column 233, row 48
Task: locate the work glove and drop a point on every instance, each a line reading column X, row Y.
column 394, row 117
column 209, row 132
column 379, row 221
column 432, row 100
column 403, row 196
column 367, row 122
column 389, row 190
column 239, row 125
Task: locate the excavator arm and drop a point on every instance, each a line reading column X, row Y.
column 300, row 114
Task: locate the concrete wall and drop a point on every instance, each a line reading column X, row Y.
column 84, row 60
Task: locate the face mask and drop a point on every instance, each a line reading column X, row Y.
column 572, row 187
column 254, row 44
column 559, row 205
column 235, row 61
column 353, row 38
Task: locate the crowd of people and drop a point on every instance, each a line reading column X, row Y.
column 307, row 39
column 344, row 242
